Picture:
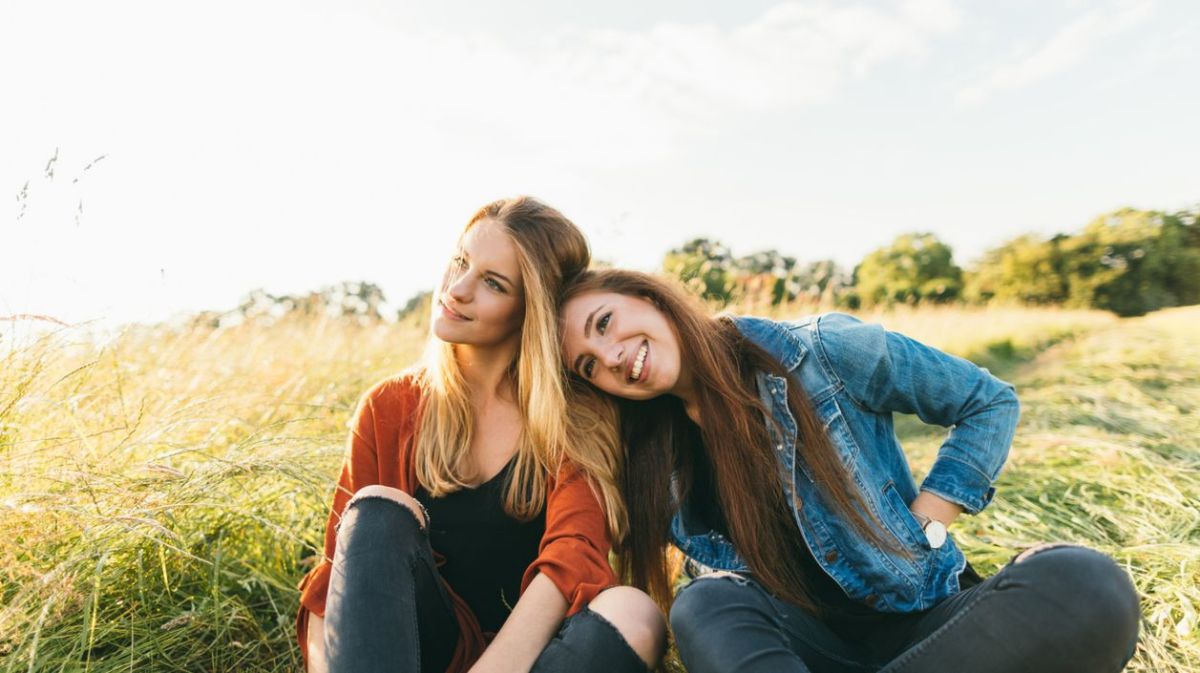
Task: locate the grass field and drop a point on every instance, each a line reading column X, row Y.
column 162, row 491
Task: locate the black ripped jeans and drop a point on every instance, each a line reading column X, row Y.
column 387, row 609
column 1061, row 610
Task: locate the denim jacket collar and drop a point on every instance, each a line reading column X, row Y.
column 774, row 338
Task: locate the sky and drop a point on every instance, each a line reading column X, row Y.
column 168, row 157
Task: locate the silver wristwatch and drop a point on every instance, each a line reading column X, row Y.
column 935, row 531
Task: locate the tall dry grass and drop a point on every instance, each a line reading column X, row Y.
column 159, row 490
column 162, row 490
column 1107, row 455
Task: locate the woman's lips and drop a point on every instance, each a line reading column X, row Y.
column 451, row 313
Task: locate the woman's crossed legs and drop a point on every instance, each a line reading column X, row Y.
column 1060, row 609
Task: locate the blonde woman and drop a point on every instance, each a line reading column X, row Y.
column 471, row 525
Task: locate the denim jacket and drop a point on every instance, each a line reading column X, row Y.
column 856, row 375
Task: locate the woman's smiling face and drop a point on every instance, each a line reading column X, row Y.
column 481, row 300
column 623, row 345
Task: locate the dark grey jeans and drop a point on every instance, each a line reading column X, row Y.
column 387, row 610
column 1061, row 610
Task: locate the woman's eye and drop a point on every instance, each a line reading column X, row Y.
column 589, row 368
column 602, row 323
column 494, row 284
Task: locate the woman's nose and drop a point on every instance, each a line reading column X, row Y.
column 613, row 356
column 459, row 288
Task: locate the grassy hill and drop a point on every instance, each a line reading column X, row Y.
column 1107, row 455
column 161, row 491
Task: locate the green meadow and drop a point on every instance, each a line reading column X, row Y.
column 163, row 489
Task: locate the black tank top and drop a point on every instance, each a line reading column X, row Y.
column 486, row 550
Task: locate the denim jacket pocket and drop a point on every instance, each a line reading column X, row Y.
column 911, row 533
column 905, row 528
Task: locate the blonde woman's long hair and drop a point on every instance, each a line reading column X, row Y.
column 550, row 251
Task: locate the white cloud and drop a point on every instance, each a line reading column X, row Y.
column 795, row 53
column 1069, row 47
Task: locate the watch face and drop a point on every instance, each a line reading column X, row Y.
column 935, row 532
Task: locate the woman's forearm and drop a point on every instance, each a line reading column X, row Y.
column 534, row 620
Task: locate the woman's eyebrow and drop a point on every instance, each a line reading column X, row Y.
column 488, row 272
column 501, row 277
column 587, row 334
column 587, row 325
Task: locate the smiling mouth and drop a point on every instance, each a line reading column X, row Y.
column 639, row 363
column 454, row 314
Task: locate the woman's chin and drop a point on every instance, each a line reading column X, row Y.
column 445, row 331
column 640, row 392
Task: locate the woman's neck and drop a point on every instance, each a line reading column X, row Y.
column 685, row 390
column 486, row 370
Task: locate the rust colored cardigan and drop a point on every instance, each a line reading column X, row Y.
column 573, row 552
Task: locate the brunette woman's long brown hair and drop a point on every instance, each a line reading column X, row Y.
column 734, row 437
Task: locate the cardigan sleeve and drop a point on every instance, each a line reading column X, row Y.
column 573, row 552
column 360, row 468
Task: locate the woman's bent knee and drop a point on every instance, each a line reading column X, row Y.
column 388, row 493
column 725, row 622
column 1081, row 573
column 696, row 605
column 375, row 515
column 1097, row 592
column 637, row 618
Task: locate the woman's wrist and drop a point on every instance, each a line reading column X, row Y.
column 936, row 508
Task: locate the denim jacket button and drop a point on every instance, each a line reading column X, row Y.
column 831, row 556
column 872, row 600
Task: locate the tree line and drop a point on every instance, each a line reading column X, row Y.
column 1128, row 262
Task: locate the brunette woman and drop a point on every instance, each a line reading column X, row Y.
column 765, row 452
column 471, row 525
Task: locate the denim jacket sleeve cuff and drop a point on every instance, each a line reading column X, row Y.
column 959, row 483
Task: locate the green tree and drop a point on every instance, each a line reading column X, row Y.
column 768, row 271
column 913, row 268
column 705, row 266
column 822, row 279
column 1128, row 261
column 766, row 261
column 360, row 300
column 1027, row 270
column 1180, row 245
column 1133, row 261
